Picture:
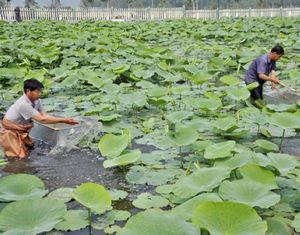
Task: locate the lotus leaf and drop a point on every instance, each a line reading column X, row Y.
column 283, row 162
column 248, row 192
column 267, row 145
column 220, row 218
column 185, row 210
column 238, row 93
column 183, row 136
column 20, row 187
column 73, row 220
column 285, row 120
column 31, row 216
column 118, row 194
column 63, row 194
column 124, row 159
column 93, row 196
column 234, row 162
column 178, row 116
column 146, row 201
column 230, row 80
column 277, row 227
column 154, row 222
column 219, row 150
column 259, row 175
column 296, row 222
column 209, row 104
column 202, row 180
column 112, row 145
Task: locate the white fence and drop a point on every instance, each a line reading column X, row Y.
column 128, row 14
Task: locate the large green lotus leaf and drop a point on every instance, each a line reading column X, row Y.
column 285, row 120
column 220, row 218
column 185, row 210
column 158, row 91
column 178, row 116
column 251, row 86
column 32, row 216
column 248, row 192
column 73, row 220
column 259, row 175
column 138, row 99
column 209, row 104
column 123, row 160
column 183, row 136
column 266, row 145
column 225, row 124
column 202, row 180
column 200, row 77
column 278, row 227
column 296, row 222
column 20, row 187
column 219, row 150
column 282, row 107
column 146, row 201
column 143, row 175
column 234, row 162
column 230, row 80
column 238, row 93
column 93, row 196
column 64, row 194
column 283, row 162
column 112, row 145
column 155, row 222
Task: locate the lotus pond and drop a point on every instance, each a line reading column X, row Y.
column 182, row 151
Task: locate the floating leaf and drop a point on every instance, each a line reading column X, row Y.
column 185, row 210
column 266, row 145
column 31, row 216
column 154, row 222
column 259, row 175
column 93, row 196
column 178, row 116
column 238, row 94
column 283, row 162
column 202, row 180
column 285, row 120
column 146, row 201
column 228, row 218
column 183, row 136
column 118, row 194
column 277, row 227
column 123, row 160
column 230, row 80
column 73, row 220
column 248, row 192
column 20, row 187
column 63, row 194
column 219, row 150
column 112, row 145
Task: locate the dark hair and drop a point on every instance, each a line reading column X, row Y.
column 32, row 84
column 278, row 50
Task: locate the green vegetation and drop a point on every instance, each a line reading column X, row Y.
column 216, row 163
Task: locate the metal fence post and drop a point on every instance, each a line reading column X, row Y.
column 183, row 12
column 218, row 13
column 281, row 12
column 249, row 12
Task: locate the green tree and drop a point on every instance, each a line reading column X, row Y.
column 30, row 3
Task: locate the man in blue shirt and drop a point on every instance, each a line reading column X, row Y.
column 263, row 69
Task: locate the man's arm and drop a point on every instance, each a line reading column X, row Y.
column 268, row 78
column 47, row 119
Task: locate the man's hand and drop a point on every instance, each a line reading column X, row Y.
column 70, row 121
column 274, row 88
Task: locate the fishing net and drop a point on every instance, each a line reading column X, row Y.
column 61, row 138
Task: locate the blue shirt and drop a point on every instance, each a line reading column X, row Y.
column 261, row 65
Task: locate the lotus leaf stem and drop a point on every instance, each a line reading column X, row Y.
column 281, row 141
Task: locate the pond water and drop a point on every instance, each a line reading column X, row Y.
column 76, row 167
